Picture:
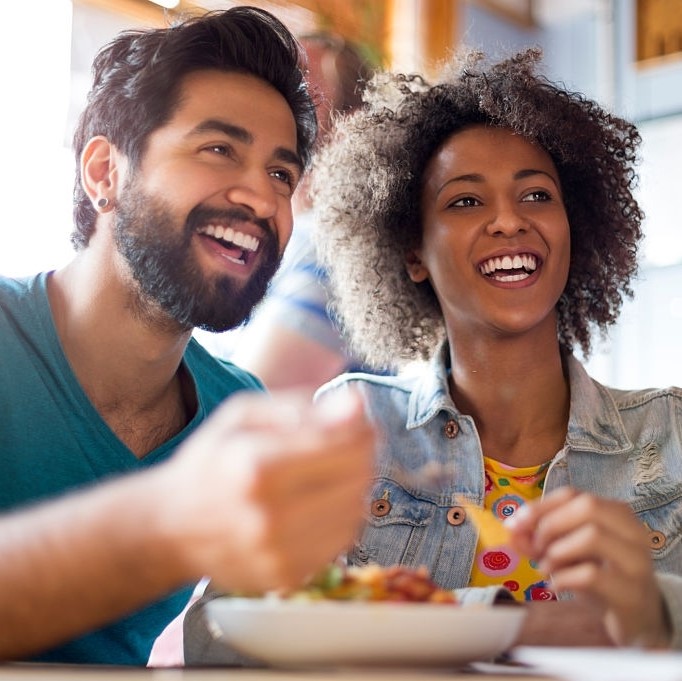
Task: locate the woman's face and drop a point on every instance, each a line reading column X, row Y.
column 496, row 238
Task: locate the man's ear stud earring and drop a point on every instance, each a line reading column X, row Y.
column 103, row 202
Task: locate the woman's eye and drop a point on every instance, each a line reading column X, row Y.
column 464, row 202
column 537, row 195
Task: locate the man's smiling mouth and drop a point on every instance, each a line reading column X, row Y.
column 509, row 268
column 237, row 245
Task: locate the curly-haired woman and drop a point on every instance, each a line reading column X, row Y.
column 486, row 224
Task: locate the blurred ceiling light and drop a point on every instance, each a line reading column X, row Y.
column 168, row 4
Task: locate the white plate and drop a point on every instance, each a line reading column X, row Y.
column 332, row 633
column 602, row 664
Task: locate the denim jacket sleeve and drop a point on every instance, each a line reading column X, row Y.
column 205, row 648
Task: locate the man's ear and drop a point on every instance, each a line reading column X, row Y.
column 100, row 171
column 415, row 268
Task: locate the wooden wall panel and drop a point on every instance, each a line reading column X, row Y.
column 421, row 33
column 659, row 29
column 425, row 39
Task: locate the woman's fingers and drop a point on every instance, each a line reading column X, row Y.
column 597, row 547
column 524, row 524
column 604, row 517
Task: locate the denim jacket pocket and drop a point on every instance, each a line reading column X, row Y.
column 396, row 525
column 664, row 525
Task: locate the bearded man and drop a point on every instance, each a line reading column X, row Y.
column 188, row 152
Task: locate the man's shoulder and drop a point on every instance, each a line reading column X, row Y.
column 217, row 376
column 17, row 288
column 23, row 303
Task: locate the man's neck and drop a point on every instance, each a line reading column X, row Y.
column 127, row 365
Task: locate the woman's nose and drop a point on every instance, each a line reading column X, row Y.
column 508, row 220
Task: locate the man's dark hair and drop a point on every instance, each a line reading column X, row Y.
column 138, row 76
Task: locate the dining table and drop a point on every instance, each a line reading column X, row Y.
column 52, row 672
column 519, row 664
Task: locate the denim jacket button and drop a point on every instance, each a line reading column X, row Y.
column 380, row 507
column 456, row 515
column 451, row 429
column 657, row 539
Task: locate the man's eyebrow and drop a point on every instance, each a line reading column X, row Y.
column 240, row 134
column 288, row 156
column 215, row 125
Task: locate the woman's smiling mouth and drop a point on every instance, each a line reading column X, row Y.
column 509, row 268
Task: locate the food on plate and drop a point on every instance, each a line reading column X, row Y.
column 492, row 531
column 374, row 583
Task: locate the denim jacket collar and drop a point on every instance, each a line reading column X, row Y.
column 594, row 423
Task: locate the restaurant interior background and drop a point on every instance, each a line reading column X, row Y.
column 625, row 53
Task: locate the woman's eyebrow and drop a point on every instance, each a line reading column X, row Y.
column 477, row 177
column 530, row 172
column 467, row 177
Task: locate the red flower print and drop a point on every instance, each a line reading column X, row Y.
column 496, row 560
column 539, row 592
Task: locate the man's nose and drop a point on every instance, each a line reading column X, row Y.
column 254, row 192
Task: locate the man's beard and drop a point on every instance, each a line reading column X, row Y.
column 168, row 274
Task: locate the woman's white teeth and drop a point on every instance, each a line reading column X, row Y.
column 502, row 266
column 512, row 277
column 229, row 235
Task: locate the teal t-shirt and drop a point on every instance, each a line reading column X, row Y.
column 52, row 440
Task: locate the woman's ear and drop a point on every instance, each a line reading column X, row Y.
column 415, row 268
column 100, row 172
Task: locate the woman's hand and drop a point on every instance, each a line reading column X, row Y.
column 598, row 548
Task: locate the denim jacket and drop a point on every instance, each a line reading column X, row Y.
column 621, row 444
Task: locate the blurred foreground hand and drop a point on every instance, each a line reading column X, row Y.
column 270, row 488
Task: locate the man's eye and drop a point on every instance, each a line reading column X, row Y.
column 284, row 176
column 221, row 149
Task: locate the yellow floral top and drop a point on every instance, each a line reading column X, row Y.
column 506, row 490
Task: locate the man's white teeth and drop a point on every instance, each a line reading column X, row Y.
column 229, row 235
column 526, row 262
